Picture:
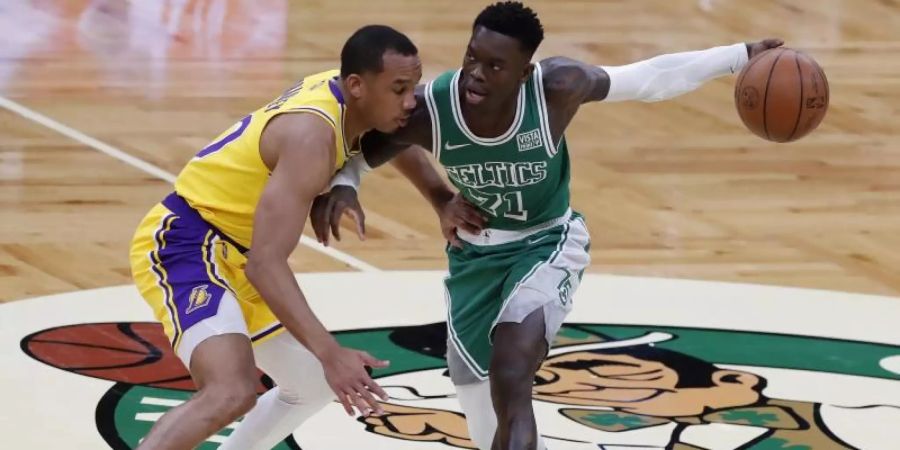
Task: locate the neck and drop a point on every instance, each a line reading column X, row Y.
column 354, row 120
column 490, row 120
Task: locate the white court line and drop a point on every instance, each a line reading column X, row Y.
column 157, row 172
column 161, row 402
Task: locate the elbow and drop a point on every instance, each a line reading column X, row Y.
column 257, row 265
column 373, row 160
column 252, row 270
column 265, row 262
column 376, row 159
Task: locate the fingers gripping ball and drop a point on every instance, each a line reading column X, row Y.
column 782, row 95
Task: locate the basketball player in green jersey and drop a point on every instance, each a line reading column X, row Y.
column 517, row 256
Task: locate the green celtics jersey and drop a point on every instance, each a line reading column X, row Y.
column 520, row 179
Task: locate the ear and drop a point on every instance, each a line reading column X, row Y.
column 529, row 69
column 355, row 85
column 726, row 377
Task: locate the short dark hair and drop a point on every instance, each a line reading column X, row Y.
column 515, row 20
column 365, row 49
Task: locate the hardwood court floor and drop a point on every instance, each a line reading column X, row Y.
column 675, row 189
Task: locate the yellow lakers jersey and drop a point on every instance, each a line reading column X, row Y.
column 225, row 180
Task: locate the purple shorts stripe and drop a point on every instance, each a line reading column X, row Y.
column 162, row 275
column 267, row 332
column 211, row 269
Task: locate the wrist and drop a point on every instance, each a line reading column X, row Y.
column 324, row 346
column 440, row 198
column 351, row 174
column 339, row 187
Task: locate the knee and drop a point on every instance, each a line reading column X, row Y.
column 517, row 354
column 229, row 401
column 304, row 385
column 512, row 374
column 511, row 390
column 242, row 401
column 306, row 395
column 298, row 374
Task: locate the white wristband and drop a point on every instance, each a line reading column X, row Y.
column 351, row 174
column 671, row 75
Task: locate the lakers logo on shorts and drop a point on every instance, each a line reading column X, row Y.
column 199, row 298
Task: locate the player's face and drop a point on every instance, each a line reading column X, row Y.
column 389, row 96
column 638, row 386
column 494, row 68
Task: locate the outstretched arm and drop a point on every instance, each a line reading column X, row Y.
column 658, row 78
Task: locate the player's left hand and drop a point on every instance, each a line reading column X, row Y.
column 755, row 48
column 327, row 210
column 457, row 213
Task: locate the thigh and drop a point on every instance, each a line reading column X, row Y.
column 223, row 360
column 519, row 347
column 261, row 321
column 488, row 286
column 551, row 282
column 474, row 292
column 228, row 320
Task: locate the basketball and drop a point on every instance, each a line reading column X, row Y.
column 781, row 94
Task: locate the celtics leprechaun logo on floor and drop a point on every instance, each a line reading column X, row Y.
column 604, row 385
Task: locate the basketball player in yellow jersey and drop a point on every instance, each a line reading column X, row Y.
column 211, row 258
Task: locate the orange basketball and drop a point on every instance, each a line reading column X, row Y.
column 781, row 95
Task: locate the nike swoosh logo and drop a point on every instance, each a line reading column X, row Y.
column 448, row 147
column 535, row 241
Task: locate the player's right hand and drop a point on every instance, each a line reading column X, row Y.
column 457, row 213
column 755, row 48
column 345, row 371
column 327, row 210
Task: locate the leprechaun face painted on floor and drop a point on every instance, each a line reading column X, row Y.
column 643, row 380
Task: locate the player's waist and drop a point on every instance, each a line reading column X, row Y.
column 178, row 205
column 496, row 236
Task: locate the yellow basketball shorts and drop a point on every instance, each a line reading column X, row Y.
column 184, row 268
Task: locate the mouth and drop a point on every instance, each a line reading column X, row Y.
column 401, row 122
column 474, row 95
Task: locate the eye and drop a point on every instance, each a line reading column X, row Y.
column 544, row 377
column 495, row 67
column 469, row 57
